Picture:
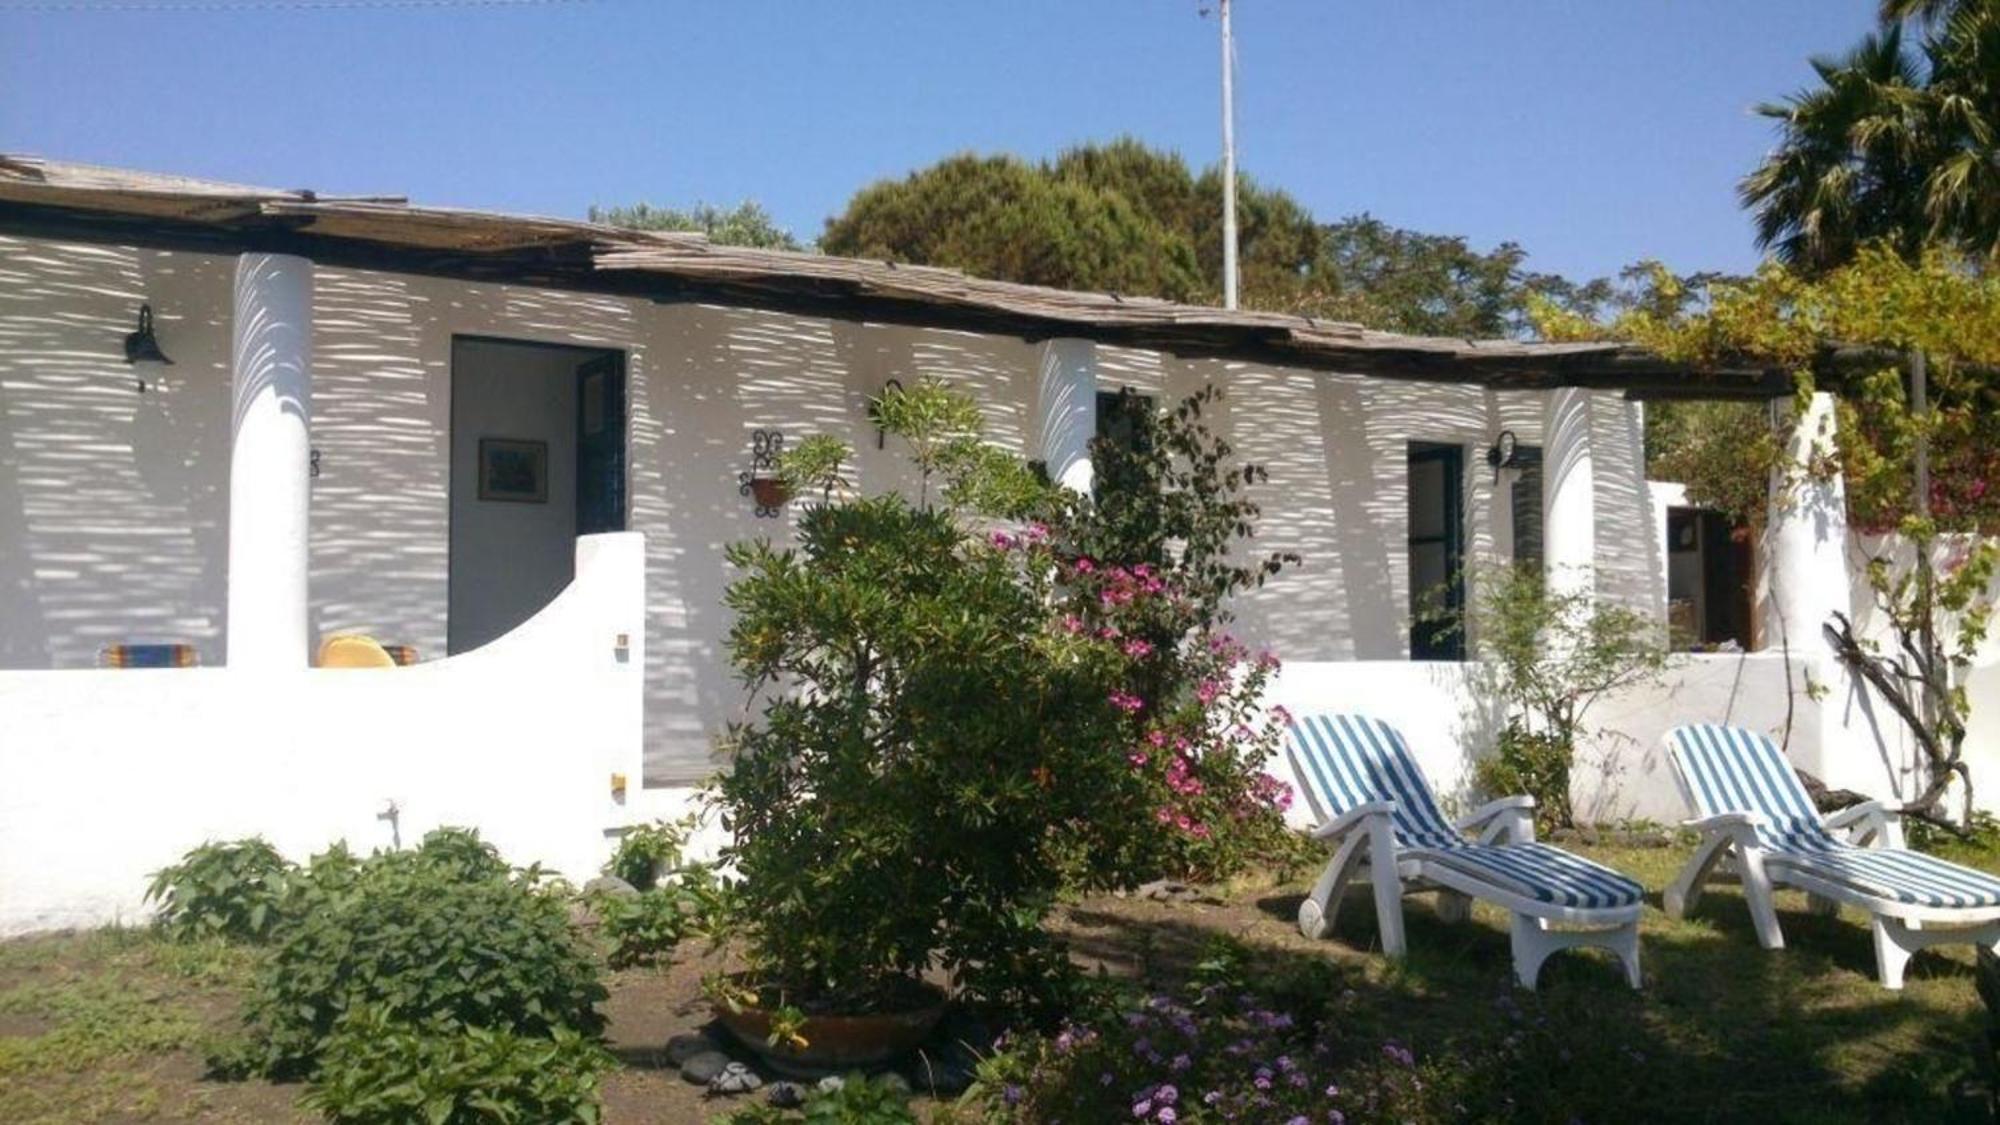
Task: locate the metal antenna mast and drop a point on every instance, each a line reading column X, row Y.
column 1228, row 161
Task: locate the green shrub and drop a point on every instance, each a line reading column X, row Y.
column 646, row 852
column 444, row 934
column 375, row 1070
column 1531, row 762
column 233, row 890
column 644, row 929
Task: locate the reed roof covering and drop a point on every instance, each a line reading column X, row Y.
column 389, row 232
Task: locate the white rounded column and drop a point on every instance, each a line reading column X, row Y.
column 1569, row 496
column 270, row 461
column 1805, row 540
column 1066, row 402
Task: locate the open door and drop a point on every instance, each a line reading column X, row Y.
column 537, row 459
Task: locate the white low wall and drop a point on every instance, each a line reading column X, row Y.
column 106, row 776
column 1451, row 720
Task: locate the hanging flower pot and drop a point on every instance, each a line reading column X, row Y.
column 770, row 492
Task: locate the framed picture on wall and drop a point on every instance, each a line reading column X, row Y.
column 514, row 469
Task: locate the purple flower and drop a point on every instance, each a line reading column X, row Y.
column 1168, row 1095
column 1011, row 1094
column 1168, row 1116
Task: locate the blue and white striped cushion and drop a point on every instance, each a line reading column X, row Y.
column 1546, row 874
column 1729, row 769
column 1345, row 760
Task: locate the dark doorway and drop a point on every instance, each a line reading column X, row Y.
column 1437, row 551
column 1709, row 569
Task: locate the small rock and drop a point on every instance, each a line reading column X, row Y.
column 832, row 1084
column 688, row 1044
column 735, row 1079
column 610, row 885
column 785, row 1095
column 702, row 1067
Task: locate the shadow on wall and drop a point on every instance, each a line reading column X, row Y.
column 380, row 500
column 720, row 374
column 1629, row 562
column 114, row 502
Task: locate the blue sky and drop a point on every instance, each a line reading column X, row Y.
column 1595, row 132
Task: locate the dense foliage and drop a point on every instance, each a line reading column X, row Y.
column 376, row 1069
column 1148, row 563
column 1899, row 141
column 444, row 937
column 231, row 890
column 904, row 806
column 1125, row 218
column 959, row 724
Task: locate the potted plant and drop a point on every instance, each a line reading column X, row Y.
column 932, row 755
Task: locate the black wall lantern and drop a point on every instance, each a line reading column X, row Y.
column 1502, row 454
column 142, row 350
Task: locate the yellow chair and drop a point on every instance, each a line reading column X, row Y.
column 351, row 650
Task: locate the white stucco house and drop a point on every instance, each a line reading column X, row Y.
column 518, row 445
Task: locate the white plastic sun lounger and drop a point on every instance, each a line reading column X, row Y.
column 1375, row 809
column 1752, row 810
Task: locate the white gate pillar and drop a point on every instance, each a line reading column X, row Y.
column 269, row 461
column 1805, row 569
column 1066, row 404
column 1569, row 492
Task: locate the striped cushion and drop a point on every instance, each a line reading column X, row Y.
column 1544, row 873
column 1343, row 761
column 1729, row 769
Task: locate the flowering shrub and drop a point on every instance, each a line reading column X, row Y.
column 936, row 757
column 1220, row 1053
column 1146, row 565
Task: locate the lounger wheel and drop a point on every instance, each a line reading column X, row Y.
column 1312, row 920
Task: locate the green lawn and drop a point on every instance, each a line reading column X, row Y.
column 109, row 1026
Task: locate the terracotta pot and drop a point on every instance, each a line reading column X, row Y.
column 836, row 1044
column 769, row 492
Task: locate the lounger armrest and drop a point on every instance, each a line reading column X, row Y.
column 1510, row 818
column 1726, row 822
column 1870, row 822
column 1353, row 818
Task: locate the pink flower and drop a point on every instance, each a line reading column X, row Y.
column 1206, row 691
column 1138, row 649
column 1127, row 702
column 1164, row 814
column 1003, row 540
column 1279, row 713
column 1085, row 566
column 1038, row 533
column 1137, row 759
column 1073, row 624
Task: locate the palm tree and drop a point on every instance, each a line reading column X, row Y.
column 1894, row 143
